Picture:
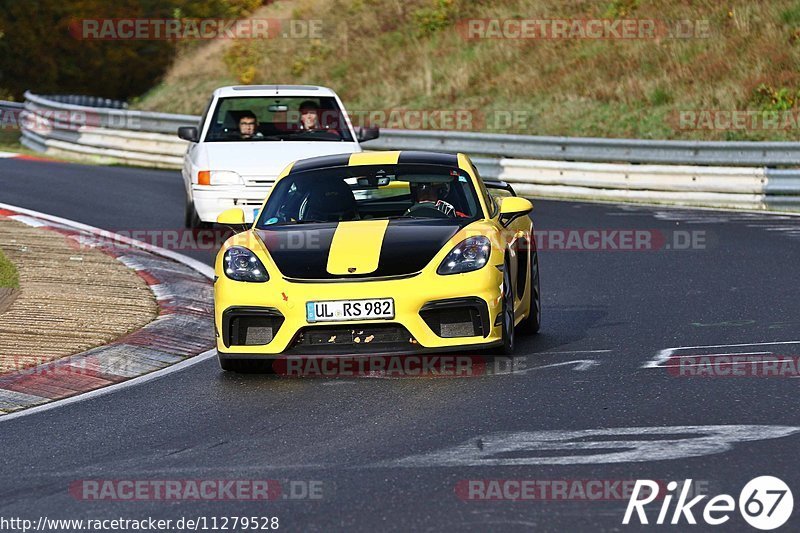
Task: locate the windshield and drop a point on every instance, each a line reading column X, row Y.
column 269, row 118
column 371, row 192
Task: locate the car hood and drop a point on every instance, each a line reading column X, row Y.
column 268, row 158
column 358, row 249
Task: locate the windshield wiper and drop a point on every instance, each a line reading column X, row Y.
column 315, row 135
column 296, row 222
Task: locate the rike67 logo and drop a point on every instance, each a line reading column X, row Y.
column 765, row 503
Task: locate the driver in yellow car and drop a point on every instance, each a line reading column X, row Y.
column 431, row 194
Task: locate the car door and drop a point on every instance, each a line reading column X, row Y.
column 190, row 158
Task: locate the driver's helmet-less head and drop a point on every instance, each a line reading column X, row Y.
column 430, row 192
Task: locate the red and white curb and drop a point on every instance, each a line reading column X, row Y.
column 15, row 155
column 180, row 336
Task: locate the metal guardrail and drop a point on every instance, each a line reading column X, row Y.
column 88, row 101
column 700, row 185
column 742, row 174
column 10, row 114
column 5, row 105
column 123, row 119
column 585, row 149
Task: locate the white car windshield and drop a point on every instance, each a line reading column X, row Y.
column 271, row 118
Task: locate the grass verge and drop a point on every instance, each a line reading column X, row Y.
column 9, row 278
column 9, row 141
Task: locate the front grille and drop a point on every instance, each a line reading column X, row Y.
column 367, row 338
column 250, row 326
column 259, row 181
column 460, row 317
column 245, row 202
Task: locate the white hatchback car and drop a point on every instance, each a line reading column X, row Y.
column 248, row 134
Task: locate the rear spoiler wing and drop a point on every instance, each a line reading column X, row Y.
column 499, row 184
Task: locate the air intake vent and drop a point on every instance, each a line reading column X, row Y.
column 461, row 317
column 250, row 326
column 252, row 330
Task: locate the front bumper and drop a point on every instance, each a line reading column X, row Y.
column 211, row 200
column 414, row 328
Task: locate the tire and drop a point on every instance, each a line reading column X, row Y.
column 245, row 366
column 191, row 219
column 531, row 324
column 507, row 346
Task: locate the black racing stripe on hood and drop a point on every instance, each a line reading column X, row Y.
column 430, row 158
column 300, row 251
column 323, row 161
column 410, row 244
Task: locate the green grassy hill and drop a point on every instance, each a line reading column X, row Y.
column 412, row 54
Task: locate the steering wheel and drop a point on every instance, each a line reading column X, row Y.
column 330, row 215
column 425, row 210
column 321, row 134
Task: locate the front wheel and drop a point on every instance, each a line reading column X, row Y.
column 191, row 219
column 507, row 312
column 533, row 321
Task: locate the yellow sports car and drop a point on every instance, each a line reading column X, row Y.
column 377, row 253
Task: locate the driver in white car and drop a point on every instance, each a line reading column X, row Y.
column 311, row 120
column 309, row 116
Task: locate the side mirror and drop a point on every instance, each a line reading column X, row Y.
column 512, row 208
column 189, row 133
column 231, row 217
column 367, row 134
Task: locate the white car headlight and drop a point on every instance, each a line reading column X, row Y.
column 468, row 255
column 219, row 177
column 241, row 264
column 225, row 177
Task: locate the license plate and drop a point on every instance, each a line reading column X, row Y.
column 340, row 310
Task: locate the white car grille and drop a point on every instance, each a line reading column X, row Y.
column 259, row 181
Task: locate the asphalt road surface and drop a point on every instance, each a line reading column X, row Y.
column 598, row 396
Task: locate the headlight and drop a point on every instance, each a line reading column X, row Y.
column 470, row 254
column 218, row 177
column 241, row 264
